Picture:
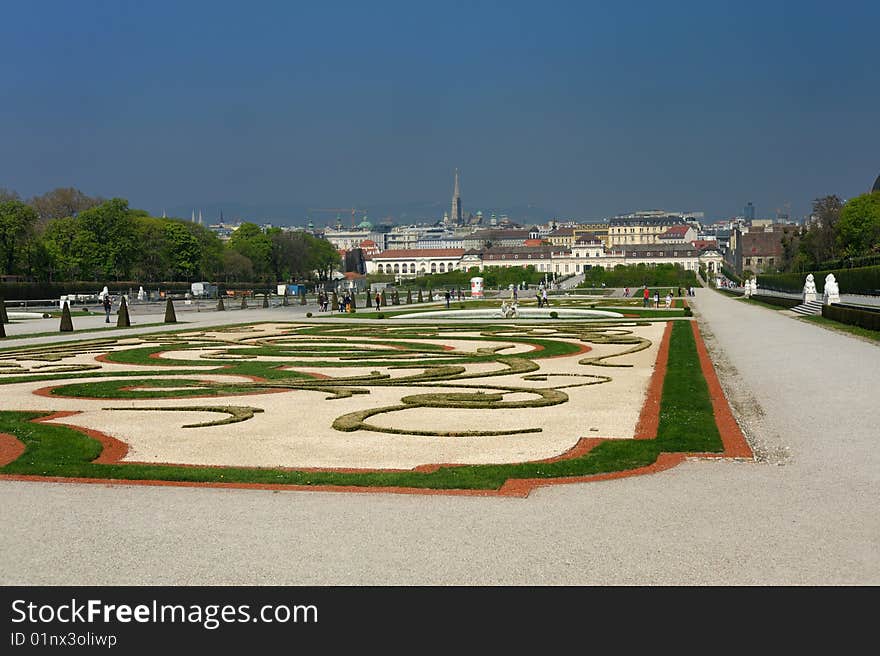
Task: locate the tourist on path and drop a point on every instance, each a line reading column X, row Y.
column 106, row 304
column 378, row 301
column 647, row 295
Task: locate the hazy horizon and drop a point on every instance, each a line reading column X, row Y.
column 577, row 109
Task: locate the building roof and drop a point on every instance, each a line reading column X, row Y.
column 496, row 233
column 704, row 243
column 415, row 253
column 646, row 221
column 674, row 232
column 562, row 232
column 656, row 250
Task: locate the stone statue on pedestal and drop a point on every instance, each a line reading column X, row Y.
column 832, row 291
column 809, row 288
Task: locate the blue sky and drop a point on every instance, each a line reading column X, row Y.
column 586, row 109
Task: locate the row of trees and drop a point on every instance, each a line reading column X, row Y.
column 65, row 235
column 840, row 231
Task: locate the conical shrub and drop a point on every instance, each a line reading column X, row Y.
column 384, row 301
column 123, row 320
column 220, row 306
column 302, row 296
column 334, row 301
column 4, row 316
column 244, row 301
column 284, row 301
column 353, row 301
column 409, row 297
column 170, row 316
column 2, row 330
column 420, row 299
column 266, row 300
column 66, row 320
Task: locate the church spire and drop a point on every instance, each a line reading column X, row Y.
column 456, row 202
column 200, row 217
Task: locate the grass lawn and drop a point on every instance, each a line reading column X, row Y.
column 873, row 335
column 686, row 424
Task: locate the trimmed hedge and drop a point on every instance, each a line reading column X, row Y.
column 863, row 280
column 852, row 316
column 779, row 301
column 32, row 291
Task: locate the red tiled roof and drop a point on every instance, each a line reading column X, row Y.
column 674, row 232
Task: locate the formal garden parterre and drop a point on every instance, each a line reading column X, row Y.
column 491, row 407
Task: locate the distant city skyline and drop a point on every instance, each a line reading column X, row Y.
column 578, row 109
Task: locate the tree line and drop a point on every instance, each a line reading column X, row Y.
column 65, row 235
column 840, row 231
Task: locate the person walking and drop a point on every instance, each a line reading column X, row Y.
column 544, row 301
column 647, row 295
column 669, row 299
column 657, row 299
column 107, row 306
column 378, row 301
column 448, row 296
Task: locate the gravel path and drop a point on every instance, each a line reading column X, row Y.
column 804, row 513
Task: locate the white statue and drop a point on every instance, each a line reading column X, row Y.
column 832, row 291
column 142, row 296
column 104, row 293
column 747, row 288
column 809, row 289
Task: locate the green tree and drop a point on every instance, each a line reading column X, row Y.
column 237, row 267
column 820, row 241
column 151, row 262
column 16, row 228
column 250, row 241
column 61, row 203
column 183, row 251
column 858, row 230
column 111, row 227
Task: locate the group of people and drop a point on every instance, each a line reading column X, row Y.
column 542, row 298
column 646, row 295
column 323, row 302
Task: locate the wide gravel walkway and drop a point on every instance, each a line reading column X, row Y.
column 804, row 513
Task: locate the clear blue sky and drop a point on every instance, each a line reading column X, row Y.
column 587, row 108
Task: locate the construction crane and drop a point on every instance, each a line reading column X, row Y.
column 353, row 210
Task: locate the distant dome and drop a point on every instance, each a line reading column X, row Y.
column 365, row 224
column 876, row 184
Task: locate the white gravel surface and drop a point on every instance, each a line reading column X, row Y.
column 804, row 513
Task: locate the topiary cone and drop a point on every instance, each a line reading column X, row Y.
column 266, row 300
column 220, row 306
column 123, row 320
column 170, row 316
column 420, row 299
column 384, row 301
column 244, row 301
column 284, row 300
column 302, row 296
column 2, row 330
column 4, row 316
column 409, row 297
column 354, row 301
column 66, row 320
